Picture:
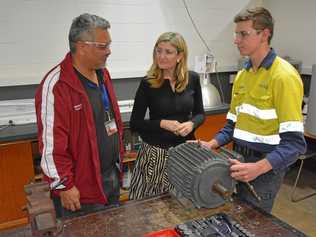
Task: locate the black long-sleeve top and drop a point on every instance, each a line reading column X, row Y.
column 163, row 103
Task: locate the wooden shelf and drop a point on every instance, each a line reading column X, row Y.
column 128, row 159
column 129, row 156
column 123, row 195
column 16, row 165
column 212, row 125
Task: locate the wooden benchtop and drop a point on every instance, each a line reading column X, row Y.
column 136, row 218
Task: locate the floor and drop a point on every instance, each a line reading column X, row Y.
column 302, row 214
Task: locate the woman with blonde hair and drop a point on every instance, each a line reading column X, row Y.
column 174, row 99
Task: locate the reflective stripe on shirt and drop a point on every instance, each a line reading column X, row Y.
column 231, row 116
column 252, row 137
column 263, row 114
column 291, row 126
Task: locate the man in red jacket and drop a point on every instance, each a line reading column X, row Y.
column 79, row 124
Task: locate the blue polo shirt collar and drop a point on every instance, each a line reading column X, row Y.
column 266, row 62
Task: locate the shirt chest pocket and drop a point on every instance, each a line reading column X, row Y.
column 239, row 96
column 261, row 98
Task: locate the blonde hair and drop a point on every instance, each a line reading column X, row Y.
column 155, row 76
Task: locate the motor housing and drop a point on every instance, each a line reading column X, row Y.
column 200, row 175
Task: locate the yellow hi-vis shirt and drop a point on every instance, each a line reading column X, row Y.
column 267, row 102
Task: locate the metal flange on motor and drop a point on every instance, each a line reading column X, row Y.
column 201, row 175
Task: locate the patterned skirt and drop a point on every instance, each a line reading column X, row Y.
column 149, row 176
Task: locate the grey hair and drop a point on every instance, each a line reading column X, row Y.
column 82, row 28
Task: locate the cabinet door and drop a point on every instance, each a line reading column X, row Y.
column 211, row 126
column 16, row 170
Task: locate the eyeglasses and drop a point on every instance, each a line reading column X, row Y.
column 98, row 45
column 244, row 34
column 167, row 52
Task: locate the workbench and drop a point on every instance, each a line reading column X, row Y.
column 19, row 149
column 136, row 218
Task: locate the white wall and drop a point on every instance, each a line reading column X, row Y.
column 295, row 33
column 34, row 33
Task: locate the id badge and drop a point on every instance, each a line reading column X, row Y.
column 110, row 125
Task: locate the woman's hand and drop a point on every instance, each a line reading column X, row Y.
column 184, row 128
column 170, row 125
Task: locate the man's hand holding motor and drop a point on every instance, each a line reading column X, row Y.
column 246, row 172
column 212, row 144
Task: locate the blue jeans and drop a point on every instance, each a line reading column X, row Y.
column 111, row 188
column 266, row 185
